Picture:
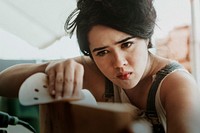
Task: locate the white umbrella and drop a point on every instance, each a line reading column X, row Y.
column 38, row 22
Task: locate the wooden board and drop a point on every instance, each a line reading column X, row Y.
column 63, row 117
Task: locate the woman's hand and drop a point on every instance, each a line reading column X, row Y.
column 65, row 78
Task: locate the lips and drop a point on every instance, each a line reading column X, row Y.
column 124, row 76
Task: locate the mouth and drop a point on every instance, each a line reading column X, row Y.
column 124, row 76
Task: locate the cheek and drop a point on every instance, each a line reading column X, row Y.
column 96, row 61
column 103, row 66
column 100, row 63
column 138, row 59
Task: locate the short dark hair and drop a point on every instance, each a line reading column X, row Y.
column 134, row 17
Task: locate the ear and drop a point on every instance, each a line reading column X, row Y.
column 149, row 43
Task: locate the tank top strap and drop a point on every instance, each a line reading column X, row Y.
column 109, row 90
column 151, row 112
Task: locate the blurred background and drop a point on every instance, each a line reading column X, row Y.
column 32, row 31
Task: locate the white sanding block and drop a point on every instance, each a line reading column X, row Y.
column 34, row 91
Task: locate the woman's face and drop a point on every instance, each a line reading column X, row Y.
column 119, row 56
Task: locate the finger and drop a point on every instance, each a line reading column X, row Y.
column 68, row 82
column 59, row 85
column 78, row 81
column 51, row 81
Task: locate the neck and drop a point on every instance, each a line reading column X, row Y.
column 154, row 64
column 150, row 66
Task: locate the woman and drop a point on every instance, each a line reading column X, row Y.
column 116, row 35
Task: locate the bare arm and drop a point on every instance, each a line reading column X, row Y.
column 66, row 77
column 180, row 97
column 12, row 77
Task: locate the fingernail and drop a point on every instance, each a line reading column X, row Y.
column 53, row 92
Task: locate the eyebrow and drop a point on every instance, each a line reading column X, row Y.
column 100, row 48
column 124, row 40
column 121, row 41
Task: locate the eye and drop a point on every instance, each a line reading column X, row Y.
column 102, row 53
column 126, row 44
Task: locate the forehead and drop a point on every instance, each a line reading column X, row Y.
column 103, row 35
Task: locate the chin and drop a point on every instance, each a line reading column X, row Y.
column 128, row 86
column 125, row 84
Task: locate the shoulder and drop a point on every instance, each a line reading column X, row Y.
column 94, row 80
column 179, row 79
column 177, row 89
column 87, row 62
column 180, row 97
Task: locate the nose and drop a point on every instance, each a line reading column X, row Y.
column 119, row 60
